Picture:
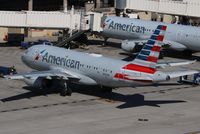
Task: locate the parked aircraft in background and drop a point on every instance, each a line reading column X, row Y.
column 136, row 32
column 59, row 67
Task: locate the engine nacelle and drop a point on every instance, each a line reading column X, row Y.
column 174, row 45
column 36, row 82
column 131, row 46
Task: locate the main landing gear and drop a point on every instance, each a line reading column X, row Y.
column 105, row 42
column 65, row 89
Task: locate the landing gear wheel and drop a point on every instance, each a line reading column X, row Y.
column 66, row 90
column 105, row 42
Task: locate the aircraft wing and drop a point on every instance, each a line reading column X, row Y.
column 46, row 74
column 181, row 73
column 174, row 64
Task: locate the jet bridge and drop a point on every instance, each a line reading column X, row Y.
column 79, row 21
column 174, row 7
column 51, row 20
column 36, row 19
column 68, row 39
column 89, row 21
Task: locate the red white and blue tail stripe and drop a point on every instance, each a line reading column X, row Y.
column 147, row 58
column 149, row 54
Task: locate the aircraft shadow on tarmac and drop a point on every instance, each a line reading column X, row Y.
column 28, row 95
column 138, row 100
column 9, row 45
column 129, row 101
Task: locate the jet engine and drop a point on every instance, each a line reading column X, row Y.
column 38, row 82
column 174, row 45
column 131, row 46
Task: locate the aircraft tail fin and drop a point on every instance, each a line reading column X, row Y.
column 149, row 54
column 146, row 60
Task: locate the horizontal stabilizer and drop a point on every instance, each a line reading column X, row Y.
column 139, row 78
column 174, row 64
column 180, row 73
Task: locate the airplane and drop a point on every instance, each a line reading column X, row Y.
column 59, row 67
column 135, row 32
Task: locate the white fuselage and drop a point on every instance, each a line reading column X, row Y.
column 92, row 68
column 182, row 37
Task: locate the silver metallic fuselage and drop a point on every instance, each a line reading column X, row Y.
column 179, row 35
column 92, row 68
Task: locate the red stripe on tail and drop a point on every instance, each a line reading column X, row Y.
column 160, row 38
column 164, row 28
column 152, row 59
column 140, row 68
column 156, row 48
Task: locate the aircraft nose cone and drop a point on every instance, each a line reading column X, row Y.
column 24, row 58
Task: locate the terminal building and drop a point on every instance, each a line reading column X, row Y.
column 167, row 10
column 51, row 5
column 175, row 11
column 171, row 11
column 62, row 6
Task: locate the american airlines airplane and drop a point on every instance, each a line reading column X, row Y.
column 59, row 67
column 135, row 32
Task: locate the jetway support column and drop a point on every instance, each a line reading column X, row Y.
column 65, row 4
column 27, row 31
column 119, row 7
column 30, row 5
column 98, row 4
column 66, row 34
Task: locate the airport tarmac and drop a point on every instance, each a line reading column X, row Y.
column 168, row 108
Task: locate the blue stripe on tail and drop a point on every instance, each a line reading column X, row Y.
column 147, row 49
